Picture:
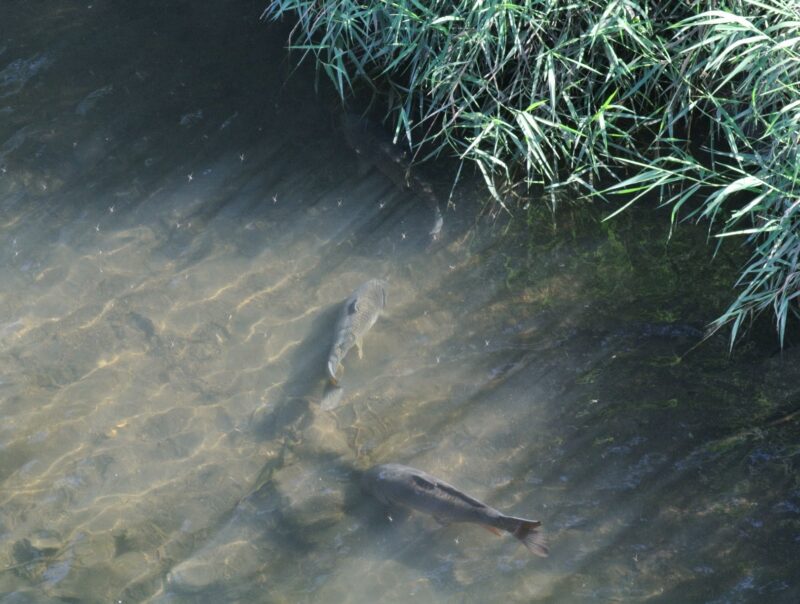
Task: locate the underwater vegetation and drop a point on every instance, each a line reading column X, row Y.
column 696, row 105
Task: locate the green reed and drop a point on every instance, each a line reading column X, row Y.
column 693, row 101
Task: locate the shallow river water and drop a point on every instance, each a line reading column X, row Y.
column 180, row 222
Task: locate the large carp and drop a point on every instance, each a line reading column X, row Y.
column 358, row 315
column 397, row 484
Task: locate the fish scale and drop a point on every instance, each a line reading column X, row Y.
column 409, row 487
column 359, row 313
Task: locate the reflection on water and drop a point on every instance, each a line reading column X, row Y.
column 179, row 226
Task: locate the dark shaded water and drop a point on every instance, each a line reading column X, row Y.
column 178, row 224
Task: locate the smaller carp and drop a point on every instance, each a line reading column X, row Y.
column 398, row 484
column 359, row 313
column 438, row 223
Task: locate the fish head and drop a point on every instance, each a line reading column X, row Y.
column 385, row 482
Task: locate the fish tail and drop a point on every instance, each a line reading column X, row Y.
column 527, row 531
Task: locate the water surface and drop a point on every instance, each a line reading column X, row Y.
column 180, row 221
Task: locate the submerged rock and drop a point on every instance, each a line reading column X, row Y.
column 323, row 438
column 17, row 73
column 29, row 596
column 215, row 565
column 35, row 548
column 88, row 103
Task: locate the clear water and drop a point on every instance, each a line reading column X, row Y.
column 179, row 223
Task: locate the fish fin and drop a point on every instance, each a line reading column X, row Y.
column 493, row 530
column 332, row 372
column 331, row 397
column 527, row 532
column 352, row 307
column 441, row 521
column 422, row 483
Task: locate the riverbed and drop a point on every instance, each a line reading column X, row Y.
column 181, row 219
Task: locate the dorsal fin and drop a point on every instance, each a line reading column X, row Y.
column 423, row 484
column 456, row 494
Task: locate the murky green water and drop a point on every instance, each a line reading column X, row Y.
column 178, row 227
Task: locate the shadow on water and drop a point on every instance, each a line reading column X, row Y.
column 288, row 411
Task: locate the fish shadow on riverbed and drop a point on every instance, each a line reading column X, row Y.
column 306, row 384
column 309, row 499
column 307, row 522
column 392, row 533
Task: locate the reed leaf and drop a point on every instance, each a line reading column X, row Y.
column 696, row 104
